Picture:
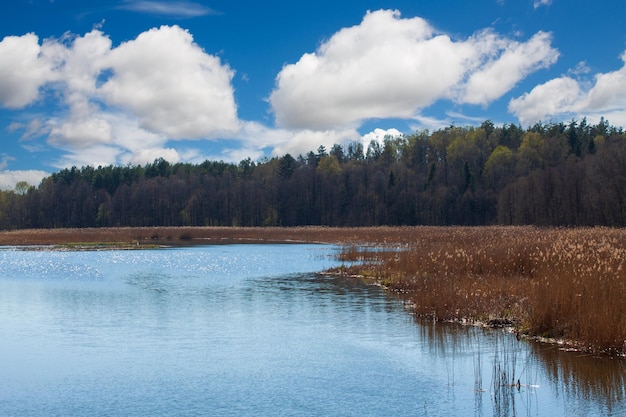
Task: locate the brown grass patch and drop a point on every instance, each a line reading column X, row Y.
column 566, row 284
column 198, row 235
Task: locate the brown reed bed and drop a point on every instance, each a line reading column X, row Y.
column 567, row 285
column 563, row 284
column 200, row 235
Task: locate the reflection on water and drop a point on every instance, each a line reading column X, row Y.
column 252, row 330
column 504, row 380
column 584, row 376
column 528, row 378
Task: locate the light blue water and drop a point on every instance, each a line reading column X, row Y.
column 252, row 330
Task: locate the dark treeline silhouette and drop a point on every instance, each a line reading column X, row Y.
column 555, row 174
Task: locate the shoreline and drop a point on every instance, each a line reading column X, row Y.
column 179, row 236
column 559, row 286
column 509, row 324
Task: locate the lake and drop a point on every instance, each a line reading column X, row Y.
column 255, row 330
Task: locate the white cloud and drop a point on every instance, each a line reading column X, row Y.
column 303, row 141
column 77, row 63
column 379, row 135
column 143, row 156
column 81, row 133
column 609, row 91
column 388, row 66
column 236, row 155
column 4, row 161
column 129, row 103
column 181, row 9
column 515, row 63
column 172, row 85
column 581, row 69
column 545, row 100
column 566, row 96
column 94, row 155
column 23, row 70
column 255, row 136
column 119, row 104
column 539, row 3
column 384, row 67
column 8, row 179
column 109, row 138
column 32, row 129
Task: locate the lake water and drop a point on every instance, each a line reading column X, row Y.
column 253, row 330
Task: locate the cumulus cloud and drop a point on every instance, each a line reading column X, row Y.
column 379, row 135
column 515, row 62
column 81, row 133
column 107, row 138
column 566, row 96
column 609, row 91
column 303, row 141
column 77, row 62
column 172, row 85
column 119, row 104
column 384, row 67
column 295, row 142
column 143, row 156
column 129, row 103
column 23, row 70
column 8, row 179
column 388, row 66
column 554, row 97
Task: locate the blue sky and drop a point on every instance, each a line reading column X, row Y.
column 128, row 81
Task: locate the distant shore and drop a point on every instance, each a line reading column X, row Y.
column 168, row 236
column 182, row 236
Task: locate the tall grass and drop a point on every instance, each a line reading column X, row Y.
column 567, row 284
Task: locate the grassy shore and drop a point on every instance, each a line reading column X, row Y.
column 564, row 284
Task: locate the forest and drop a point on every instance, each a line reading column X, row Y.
column 555, row 174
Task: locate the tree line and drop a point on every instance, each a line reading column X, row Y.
column 556, row 174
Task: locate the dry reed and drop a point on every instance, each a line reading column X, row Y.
column 196, row 235
column 565, row 284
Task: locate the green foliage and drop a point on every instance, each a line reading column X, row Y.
column 501, row 158
column 22, row 187
column 329, row 165
column 287, row 166
column 553, row 174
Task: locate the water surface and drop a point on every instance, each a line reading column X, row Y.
column 240, row 330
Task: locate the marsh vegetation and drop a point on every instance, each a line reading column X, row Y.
column 562, row 284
